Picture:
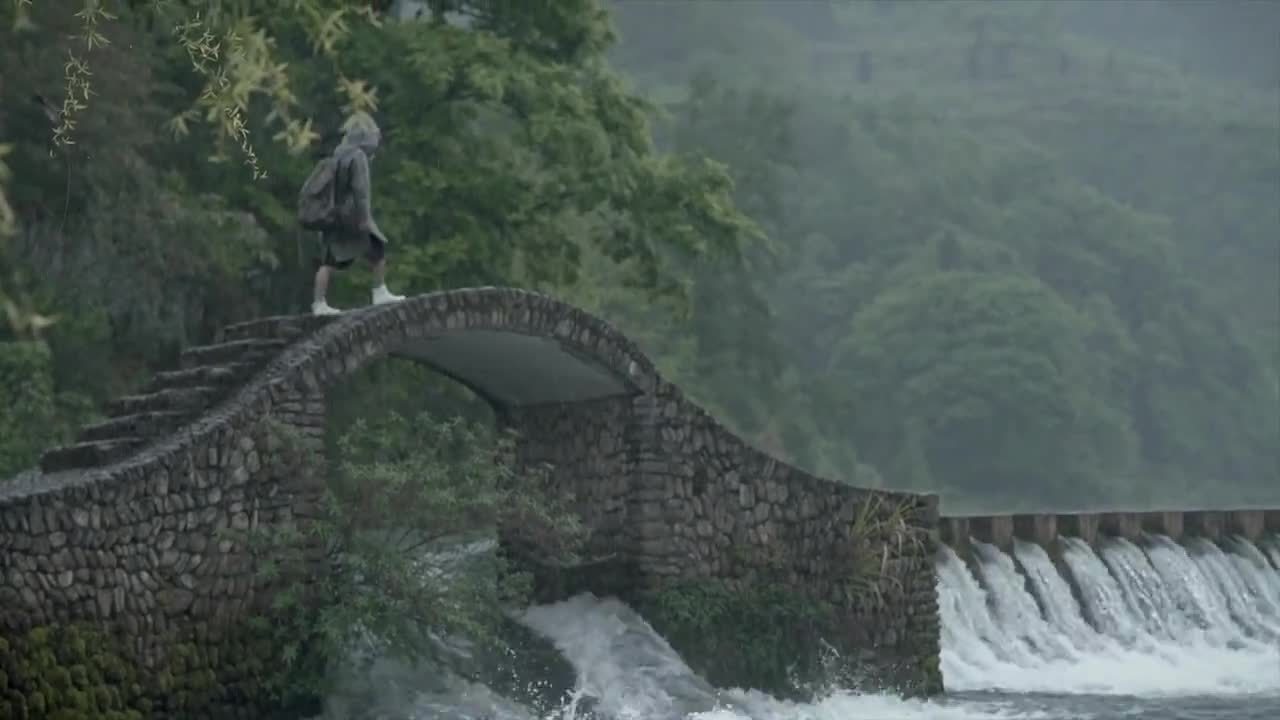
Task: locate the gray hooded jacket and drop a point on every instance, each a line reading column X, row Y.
column 355, row 192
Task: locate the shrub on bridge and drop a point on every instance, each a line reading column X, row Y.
column 396, row 557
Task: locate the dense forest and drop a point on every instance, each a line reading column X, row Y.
column 1002, row 251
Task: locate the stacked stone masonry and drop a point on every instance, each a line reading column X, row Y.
column 583, row 447
column 130, row 540
column 708, row 505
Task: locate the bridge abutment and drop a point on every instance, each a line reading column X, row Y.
column 674, row 498
column 711, row 507
column 151, row 554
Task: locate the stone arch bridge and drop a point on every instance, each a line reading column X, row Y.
column 119, row 528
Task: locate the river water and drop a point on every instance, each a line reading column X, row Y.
column 1151, row 631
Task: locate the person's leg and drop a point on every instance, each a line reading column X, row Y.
column 323, row 273
column 378, row 265
column 319, row 306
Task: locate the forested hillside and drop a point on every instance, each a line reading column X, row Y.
column 958, row 246
column 1024, row 265
column 511, row 156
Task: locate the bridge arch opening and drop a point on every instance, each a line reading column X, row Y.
column 569, row 388
column 572, row 446
column 515, row 369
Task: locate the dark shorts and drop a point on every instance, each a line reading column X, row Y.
column 376, row 252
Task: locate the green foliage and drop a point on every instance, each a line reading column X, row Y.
column 33, row 415
column 972, row 360
column 767, row 636
column 494, row 152
column 513, row 156
column 1040, row 288
column 79, row 672
column 68, row 673
column 882, row 530
column 770, row 634
column 1130, row 199
column 133, row 258
column 398, row 523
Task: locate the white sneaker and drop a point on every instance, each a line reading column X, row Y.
column 320, row 307
column 382, row 296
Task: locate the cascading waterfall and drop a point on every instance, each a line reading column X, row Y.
column 1256, row 569
column 1196, row 599
column 1104, row 601
column 1144, row 590
column 1273, row 550
column 1061, row 608
column 1144, row 618
column 1242, row 600
column 626, row 671
column 1015, row 608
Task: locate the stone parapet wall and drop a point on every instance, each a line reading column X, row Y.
column 132, row 544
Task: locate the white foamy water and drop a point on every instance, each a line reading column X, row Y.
column 1150, row 619
column 635, row 675
column 1242, row 598
column 1154, row 630
column 1273, row 552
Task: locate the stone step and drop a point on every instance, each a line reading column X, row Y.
column 245, row 351
column 219, row 377
column 139, row 425
column 280, row 327
column 94, row 453
column 180, row 399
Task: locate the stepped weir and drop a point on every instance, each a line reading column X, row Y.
column 1162, row 602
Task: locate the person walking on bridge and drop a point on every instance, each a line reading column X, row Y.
column 336, row 201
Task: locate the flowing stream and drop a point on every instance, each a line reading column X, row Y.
column 1153, row 629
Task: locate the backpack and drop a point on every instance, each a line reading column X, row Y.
column 317, row 201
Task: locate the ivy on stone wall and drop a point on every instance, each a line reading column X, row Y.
column 68, row 673
column 79, row 672
column 767, row 636
column 771, row 631
column 71, row 672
